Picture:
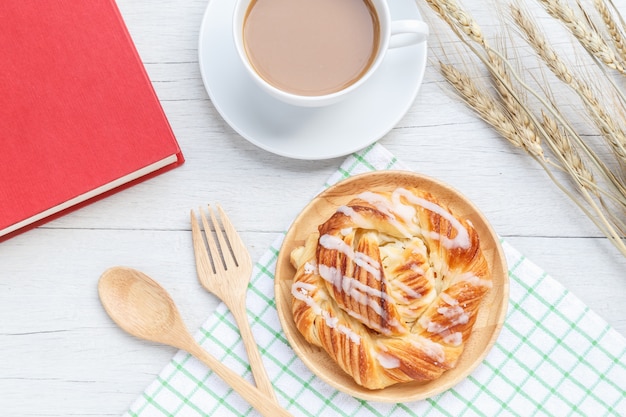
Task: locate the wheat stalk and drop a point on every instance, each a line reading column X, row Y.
column 587, row 37
column 561, row 145
column 612, row 27
column 518, row 113
column 463, row 23
column 490, row 111
column 607, row 126
column 454, row 16
column 486, row 107
column 621, row 24
column 510, row 115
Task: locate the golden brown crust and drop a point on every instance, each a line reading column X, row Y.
column 390, row 287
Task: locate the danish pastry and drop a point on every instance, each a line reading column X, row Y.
column 390, row 287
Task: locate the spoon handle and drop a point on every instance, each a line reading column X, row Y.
column 256, row 398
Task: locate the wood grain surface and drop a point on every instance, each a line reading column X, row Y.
column 61, row 355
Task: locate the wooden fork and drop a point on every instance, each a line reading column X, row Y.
column 224, row 268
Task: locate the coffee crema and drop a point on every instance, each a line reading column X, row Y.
column 311, row 47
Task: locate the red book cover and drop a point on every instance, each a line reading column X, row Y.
column 79, row 117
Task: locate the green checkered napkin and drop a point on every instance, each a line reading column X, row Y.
column 554, row 357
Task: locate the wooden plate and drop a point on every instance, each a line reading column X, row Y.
column 490, row 317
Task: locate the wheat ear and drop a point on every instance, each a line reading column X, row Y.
column 588, row 38
column 488, row 109
column 607, row 126
column 572, row 163
column 612, row 27
column 462, row 22
column 484, row 105
column 561, row 146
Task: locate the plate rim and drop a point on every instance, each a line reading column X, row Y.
column 431, row 388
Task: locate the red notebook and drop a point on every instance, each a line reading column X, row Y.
column 79, row 117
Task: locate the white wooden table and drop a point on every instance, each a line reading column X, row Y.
column 60, row 355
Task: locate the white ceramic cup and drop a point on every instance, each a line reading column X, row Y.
column 393, row 34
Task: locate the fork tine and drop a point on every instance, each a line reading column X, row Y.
column 227, row 255
column 199, row 247
column 216, row 259
column 237, row 247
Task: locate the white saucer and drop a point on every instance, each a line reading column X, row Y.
column 307, row 133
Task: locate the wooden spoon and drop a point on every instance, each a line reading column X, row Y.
column 141, row 307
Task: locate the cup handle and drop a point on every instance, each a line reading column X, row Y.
column 407, row 32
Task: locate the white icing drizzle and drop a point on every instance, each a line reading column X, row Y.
column 432, row 327
column 407, row 213
column 301, row 291
column 431, row 349
column 461, row 240
column 417, row 269
column 356, row 218
column 383, row 205
column 378, row 201
column 454, row 339
column 388, row 207
column 472, row 279
column 364, row 261
column 362, row 294
column 374, row 325
column 448, row 299
column 351, row 286
column 346, row 231
column 332, row 275
column 455, row 314
column 310, row 268
column 353, row 336
column 387, row 361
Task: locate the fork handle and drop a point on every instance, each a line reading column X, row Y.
column 249, row 392
column 252, row 349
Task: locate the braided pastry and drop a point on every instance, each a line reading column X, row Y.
column 390, row 287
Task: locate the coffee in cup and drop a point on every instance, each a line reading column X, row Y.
column 319, row 48
column 315, row 52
